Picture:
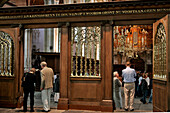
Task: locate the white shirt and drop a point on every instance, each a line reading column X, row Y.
column 140, row 79
column 129, row 75
column 148, row 81
column 55, row 76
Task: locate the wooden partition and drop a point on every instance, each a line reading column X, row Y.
column 83, row 93
column 161, row 64
column 86, row 93
column 11, row 91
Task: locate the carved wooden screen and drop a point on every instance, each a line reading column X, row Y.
column 85, row 47
column 6, row 54
column 160, row 53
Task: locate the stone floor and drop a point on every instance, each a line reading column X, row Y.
column 139, row 107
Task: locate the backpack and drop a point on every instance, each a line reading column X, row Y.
column 144, row 85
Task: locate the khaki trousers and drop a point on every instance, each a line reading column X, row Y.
column 129, row 92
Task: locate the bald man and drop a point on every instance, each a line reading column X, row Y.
column 47, row 78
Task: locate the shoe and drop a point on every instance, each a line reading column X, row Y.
column 150, row 102
column 132, row 110
column 31, row 110
column 44, row 111
column 24, row 110
column 126, row 109
column 141, row 100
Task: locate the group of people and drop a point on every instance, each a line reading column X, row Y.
column 134, row 83
column 47, row 82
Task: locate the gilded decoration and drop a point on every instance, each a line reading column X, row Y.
column 160, row 53
column 85, row 47
column 6, row 54
column 87, row 13
column 130, row 41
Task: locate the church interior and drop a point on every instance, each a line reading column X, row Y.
column 84, row 53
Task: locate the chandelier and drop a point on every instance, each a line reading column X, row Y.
column 128, row 40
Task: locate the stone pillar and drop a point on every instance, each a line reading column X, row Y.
column 28, row 49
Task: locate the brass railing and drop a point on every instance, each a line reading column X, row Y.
column 6, row 54
column 85, row 51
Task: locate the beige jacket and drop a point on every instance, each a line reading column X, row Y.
column 47, row 78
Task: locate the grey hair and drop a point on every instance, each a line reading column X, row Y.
column 43, row 64
column 114, row 73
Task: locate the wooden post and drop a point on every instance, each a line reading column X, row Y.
column 63, row 101
column 107, row 103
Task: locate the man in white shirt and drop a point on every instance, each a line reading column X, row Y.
column 129, row 75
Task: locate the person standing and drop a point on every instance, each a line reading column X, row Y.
column 144, row 88
column 117, row 90
column 151, row 89
column 129, row 75
column 56, row 88
column 139, row 85
column 47, row 78
column 28, row 81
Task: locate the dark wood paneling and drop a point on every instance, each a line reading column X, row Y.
column 85, row 90
column 159, row 95
column 11, row 91
column 6, row 90
column 52, row 59
column 161, row 101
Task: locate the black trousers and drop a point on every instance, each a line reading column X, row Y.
column 26, row 93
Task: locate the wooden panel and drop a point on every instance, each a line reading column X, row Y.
column 52, row 59
column 6, row 91
column 85, row 90
column 11, row 91
column 159, row 95
column 168, row 60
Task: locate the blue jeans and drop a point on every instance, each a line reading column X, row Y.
column 150, row 98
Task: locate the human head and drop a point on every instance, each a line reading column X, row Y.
column 115, row 74
column 43, row 64
column 32, row 70
column 128, row 64
column 144, row 75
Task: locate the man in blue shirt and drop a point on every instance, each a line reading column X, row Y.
column 129, row 75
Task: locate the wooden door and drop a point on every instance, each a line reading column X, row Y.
column 11, row 67
column 161, row 64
